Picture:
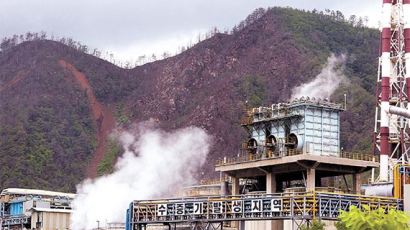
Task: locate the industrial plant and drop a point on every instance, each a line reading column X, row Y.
column 34, row 209
column 277, row 181
column 284, row 174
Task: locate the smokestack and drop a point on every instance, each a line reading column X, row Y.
column 406, row 32
column 385, row 88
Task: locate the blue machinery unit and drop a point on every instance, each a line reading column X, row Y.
column 128, row 218
column 306, row 125
column 211, row 212
column 12, row 214
column 16, row 208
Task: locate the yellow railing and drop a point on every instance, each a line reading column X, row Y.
column 213, row 181
column 290, row 152
column 310, row 205
column 248, row 157
column 247, row 120
column 399, row 179
column 359, row 156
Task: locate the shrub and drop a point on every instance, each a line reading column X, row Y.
column 366, row 219
column 316, row 225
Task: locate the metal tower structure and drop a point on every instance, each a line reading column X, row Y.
column 392, row 130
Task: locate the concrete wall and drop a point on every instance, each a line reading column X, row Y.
column 264, row 225
column 285, row 225
column 290, row 225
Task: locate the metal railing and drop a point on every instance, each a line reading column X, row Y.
column 263, row 153
column 252, row 117
column 213, row 181
column 247, row 120
column 360, row 156
column 6, row 221
column 292, row 206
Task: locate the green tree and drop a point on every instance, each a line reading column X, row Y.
column 316, row 225
column 113, row 150
column 366, row 219
column 253, row 88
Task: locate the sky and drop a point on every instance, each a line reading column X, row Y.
column 131, row 28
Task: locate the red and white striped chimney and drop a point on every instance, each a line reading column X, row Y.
column 406, row 32
column 385, row 88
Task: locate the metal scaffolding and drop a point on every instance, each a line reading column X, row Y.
column 391, row 131
column 211, row 212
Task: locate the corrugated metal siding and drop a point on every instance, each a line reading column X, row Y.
column 318, row 127
column 322, row 131
column 51, row 220
column 35, row 217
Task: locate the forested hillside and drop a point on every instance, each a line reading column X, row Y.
column 59, row 101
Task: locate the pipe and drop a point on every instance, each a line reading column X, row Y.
column 381, row 189
column 397, row 182
column 385, row 87
column 399, row 111
column 345, row 96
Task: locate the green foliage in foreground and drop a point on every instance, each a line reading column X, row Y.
column 316, row 225
column 367, row 219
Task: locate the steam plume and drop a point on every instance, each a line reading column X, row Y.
column 326, row 82
column 156, row 163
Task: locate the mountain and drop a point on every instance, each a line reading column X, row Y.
column 59, row 104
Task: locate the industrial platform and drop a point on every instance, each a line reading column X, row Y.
column 291, row 150
column 347, row 163
column 213, row 211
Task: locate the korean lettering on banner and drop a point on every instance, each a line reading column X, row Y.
column 217, row 207
column 276, row 205
column 198, row 208
column 180, row 209
column 162, row 210
column 256, row 206
column 237, row 206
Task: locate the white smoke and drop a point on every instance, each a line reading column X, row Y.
column 155, row 164
column 326, row 82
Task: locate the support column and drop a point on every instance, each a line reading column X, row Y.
column 310, row 179
column 270, row 183
column 357, row 184
column 224, row 185
column 235, row 191
column 224, row 188
column 235, row 186
column 271, row 187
